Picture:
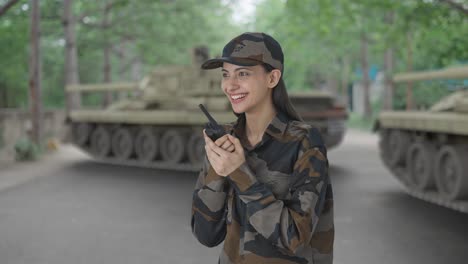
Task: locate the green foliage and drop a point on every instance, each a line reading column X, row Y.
column 26, row 150
column 13, row 53
column 317, row 37
column 357, row 121
column 425, row 94
column 154, row 32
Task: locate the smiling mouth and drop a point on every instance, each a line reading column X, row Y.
column 238, row 96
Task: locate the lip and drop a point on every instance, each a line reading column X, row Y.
column 238, row 100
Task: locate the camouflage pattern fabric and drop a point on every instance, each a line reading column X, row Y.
column 248, row 49
column 277, row 207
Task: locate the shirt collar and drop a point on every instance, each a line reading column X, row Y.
column 278, row 125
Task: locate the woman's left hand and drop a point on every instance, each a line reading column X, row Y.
column 222, row 161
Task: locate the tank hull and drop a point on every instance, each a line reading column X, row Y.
column 428, row 153
column 188, row 123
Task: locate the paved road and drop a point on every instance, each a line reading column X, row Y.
column 68, row 209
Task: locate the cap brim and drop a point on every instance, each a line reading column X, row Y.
column 216, row 63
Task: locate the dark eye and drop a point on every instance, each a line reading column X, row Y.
column 225, row 75
column 243, row 74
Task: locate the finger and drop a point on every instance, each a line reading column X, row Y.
column 227, row 144
column 207, row 139
column 234, row 140
column 221, row 152
column 211, row 154
column 237, row 144
column 216, row 149
column 210, row 146
column 213, row 157
column 220, row 141
column 231, row 148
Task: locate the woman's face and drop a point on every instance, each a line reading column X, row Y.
column 248, row 88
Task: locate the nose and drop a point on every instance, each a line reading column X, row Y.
column 230, row 84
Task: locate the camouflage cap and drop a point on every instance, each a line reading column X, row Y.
column 249, row 49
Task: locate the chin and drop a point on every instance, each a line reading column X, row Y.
column 238, row 110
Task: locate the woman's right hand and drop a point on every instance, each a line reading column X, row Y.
column 224, row 143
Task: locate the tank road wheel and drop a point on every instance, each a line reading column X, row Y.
column 396, row 147
column 147, row 144
column 451, row 168
column 122, row 143
column 383, row 146
column 195, row 149
column 173, row 146
column 101, row 142
column 419, row 161
column 80, row 132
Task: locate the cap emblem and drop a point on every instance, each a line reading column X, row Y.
column 239, row 47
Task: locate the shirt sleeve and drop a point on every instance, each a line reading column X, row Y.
column 208, row 207
column 288, row 224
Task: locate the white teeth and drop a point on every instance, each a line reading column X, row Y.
column 238, row 96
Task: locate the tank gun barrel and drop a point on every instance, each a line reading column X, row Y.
column 102, row 87
column 459, row 72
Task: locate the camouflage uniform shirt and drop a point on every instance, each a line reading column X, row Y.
column 275, row 208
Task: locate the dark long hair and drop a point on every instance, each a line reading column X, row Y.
column 280, row 98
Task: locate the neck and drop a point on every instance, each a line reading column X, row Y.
column 258, row 121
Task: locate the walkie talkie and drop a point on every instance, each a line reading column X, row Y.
column 212, row 129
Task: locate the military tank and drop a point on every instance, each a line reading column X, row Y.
column 428, row 150
column 161, row 127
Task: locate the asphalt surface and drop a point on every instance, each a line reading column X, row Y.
column 69, row 209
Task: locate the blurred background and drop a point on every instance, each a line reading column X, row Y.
column 349, row 67
column 328, row 44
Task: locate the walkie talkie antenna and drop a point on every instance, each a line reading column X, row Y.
column 208, row 115
column 212, row 129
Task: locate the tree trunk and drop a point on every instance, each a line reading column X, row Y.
column 332, row 85
column 137, row 70
column 7, row 6
column 3, row 98
column 73, row 100
column 107, row 100
column 365, row 74
column 389, row 89
column 35, row 98
column 346, row 69
column 122, row 55
column 409, row 88
column 459, row 6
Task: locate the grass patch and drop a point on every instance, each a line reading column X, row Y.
column 26, row 150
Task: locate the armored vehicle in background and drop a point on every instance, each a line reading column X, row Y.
column 428, row 150
column 162, row 126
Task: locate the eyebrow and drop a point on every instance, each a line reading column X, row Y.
column 237, row 69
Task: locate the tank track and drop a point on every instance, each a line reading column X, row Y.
column 181, row 163
column 430, row 166
column 431, row 196
column 155, row 164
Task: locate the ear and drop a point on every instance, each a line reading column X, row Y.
column 273, row 78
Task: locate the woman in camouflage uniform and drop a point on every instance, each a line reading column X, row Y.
column 264, row 187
